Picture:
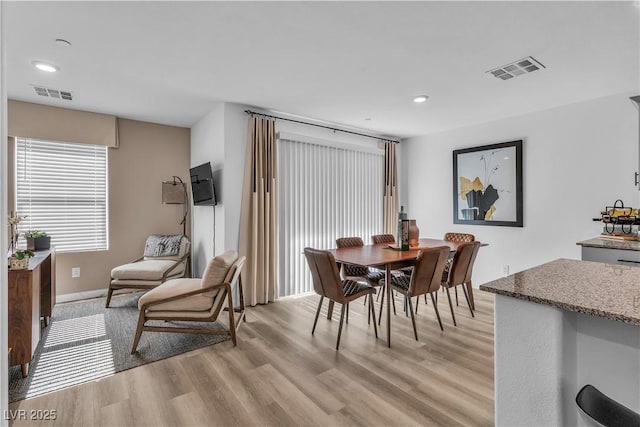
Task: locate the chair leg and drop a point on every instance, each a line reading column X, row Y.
column 467, row 298
column 413, row 318
column 315, row 321
column 451, row 306
column 456, row 289
column 372, row 311
column 347, row 313
column 384, row 288
column 136, row 338
column 109, row 293
column 232, row 318
column 417, row 303
column 393, row 300
column 340, row 327
column 435, row 306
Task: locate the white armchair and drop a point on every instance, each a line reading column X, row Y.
column 165, row 258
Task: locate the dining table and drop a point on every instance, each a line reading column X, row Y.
column 389, row 257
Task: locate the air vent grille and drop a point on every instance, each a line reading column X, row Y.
column 53, row 93
column 517, row 68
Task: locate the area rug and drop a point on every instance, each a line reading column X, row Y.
column 85, row 341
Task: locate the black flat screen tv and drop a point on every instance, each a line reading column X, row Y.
column 204, row 193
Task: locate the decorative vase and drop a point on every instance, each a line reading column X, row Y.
column 18, row 264
column 414, row 234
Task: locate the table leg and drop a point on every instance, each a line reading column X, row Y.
column 470, row 293
column 387, row 278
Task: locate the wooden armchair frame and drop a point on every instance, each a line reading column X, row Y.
column 225, row 290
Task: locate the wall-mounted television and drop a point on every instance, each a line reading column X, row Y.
column 202, row 188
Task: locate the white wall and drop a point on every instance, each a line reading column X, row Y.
column 577, row 159
column 207, row 145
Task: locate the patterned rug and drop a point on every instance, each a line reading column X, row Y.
column 85, row 341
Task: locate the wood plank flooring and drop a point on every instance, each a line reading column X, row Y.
column 279, row 374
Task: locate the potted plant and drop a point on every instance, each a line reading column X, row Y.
column 20, row 259
column 37, row 240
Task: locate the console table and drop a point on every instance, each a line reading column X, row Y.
column 31, row 295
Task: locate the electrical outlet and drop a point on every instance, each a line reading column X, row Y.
column 75, row 272
column 505, row 269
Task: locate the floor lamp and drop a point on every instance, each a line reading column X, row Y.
column 175, row 193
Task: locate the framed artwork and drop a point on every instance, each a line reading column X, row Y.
column 487, row 185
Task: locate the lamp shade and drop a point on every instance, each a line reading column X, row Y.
column 173, row 192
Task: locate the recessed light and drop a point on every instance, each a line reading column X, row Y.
column 44, row 66
column 420, row 99
column 367, row 118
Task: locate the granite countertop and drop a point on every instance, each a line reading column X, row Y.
column 598, row 242
column 604, row 290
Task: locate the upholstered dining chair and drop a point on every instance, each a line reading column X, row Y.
column 164, row 258
column 328, row 284
column 383, row 238
column 196, row 300
column 425, row 279
column 457, row 238
column 459, row 274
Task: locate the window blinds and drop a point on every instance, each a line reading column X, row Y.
column 61, row 188
column 326, row 192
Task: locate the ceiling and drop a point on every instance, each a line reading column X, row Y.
column 353, row 63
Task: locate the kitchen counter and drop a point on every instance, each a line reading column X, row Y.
column 558, row 327
column 604, row 290
column 599, row 242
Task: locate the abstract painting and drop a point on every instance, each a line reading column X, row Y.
column 487, row 185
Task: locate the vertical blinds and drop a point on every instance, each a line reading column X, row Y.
column 325, row 193
column 61, row 188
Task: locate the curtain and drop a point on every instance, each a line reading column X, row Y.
column 259, row 217
column 391, row 198
column 326, row 192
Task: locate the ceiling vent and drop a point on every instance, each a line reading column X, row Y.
column 53, row 93
column 516, row 68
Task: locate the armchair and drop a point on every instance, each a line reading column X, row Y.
column 165, row 257
column 195, row 300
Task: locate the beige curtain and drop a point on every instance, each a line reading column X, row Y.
column 259, row 217
column 391, row 199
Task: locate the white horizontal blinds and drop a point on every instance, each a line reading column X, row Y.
column 62, row 189
column 325, row 193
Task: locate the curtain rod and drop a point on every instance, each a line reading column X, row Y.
column 321, row 126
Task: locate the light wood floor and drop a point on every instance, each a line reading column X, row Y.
column 279, row 374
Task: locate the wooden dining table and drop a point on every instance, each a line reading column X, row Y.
column 384, row 256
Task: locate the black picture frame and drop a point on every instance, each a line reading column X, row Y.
column 487, row 185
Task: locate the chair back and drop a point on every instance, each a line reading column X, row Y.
column 459, row 237
column 427, row 271
column 217, row 270
column 351, row 242
column 383, row 238
column 462, row 265
column 324, row 271
column 233, row 278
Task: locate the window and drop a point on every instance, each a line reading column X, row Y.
column 61, row 188
column 326, row 192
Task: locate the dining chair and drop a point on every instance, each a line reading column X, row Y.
column 383, row 238
column 457, row 238
column 459, row 274
column 328, row 284
column 425, row 279
column 358, row 272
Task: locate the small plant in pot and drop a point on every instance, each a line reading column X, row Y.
column 20, row 259
column 37, row 240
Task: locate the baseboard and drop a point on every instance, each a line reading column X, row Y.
column 81, row 295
